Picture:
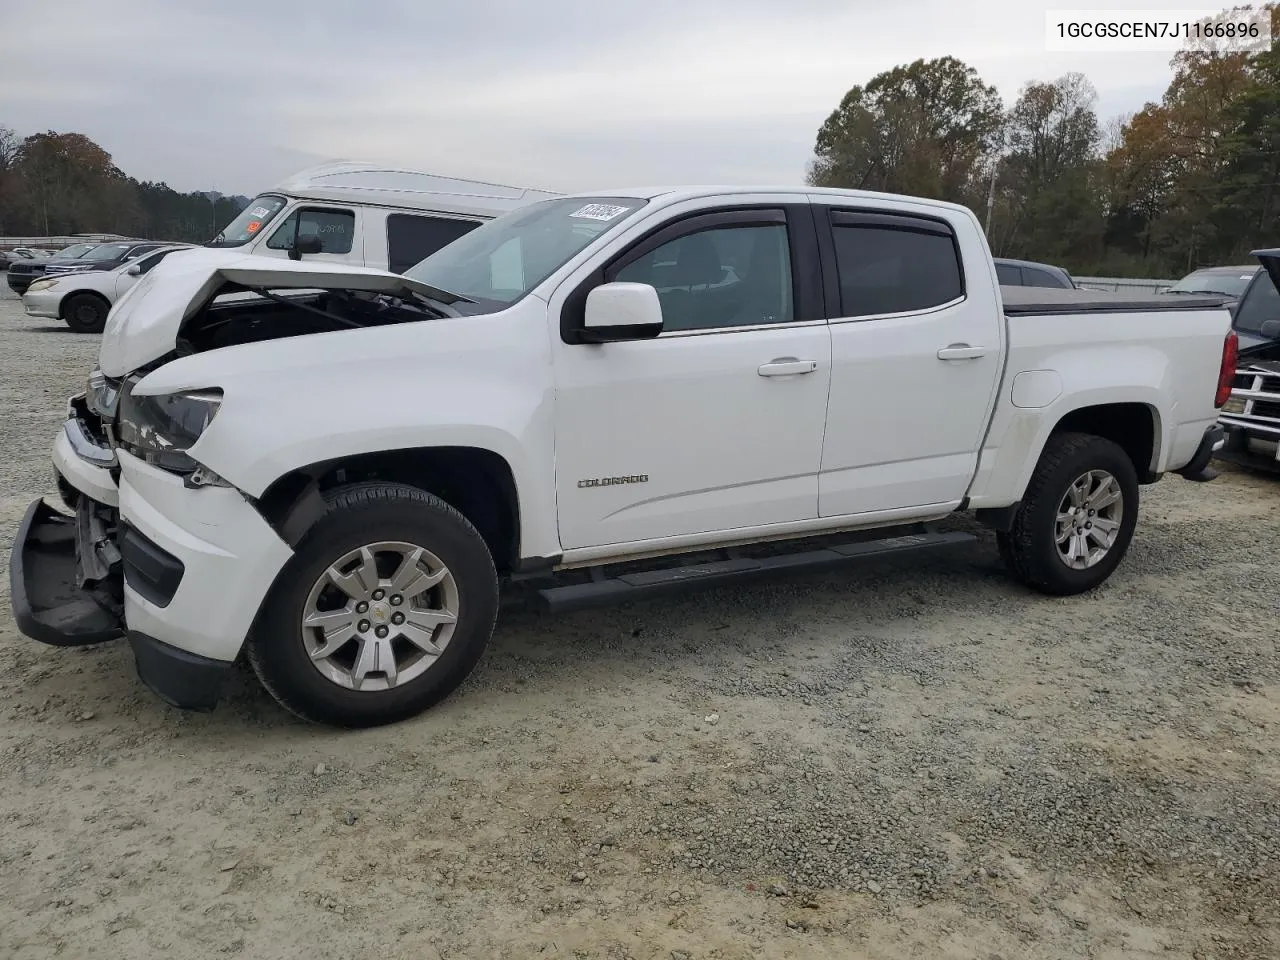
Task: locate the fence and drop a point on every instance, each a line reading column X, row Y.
column 1118, row 284
column 8, row 243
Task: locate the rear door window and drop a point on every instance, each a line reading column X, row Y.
column 411, row 238
column 894, row 264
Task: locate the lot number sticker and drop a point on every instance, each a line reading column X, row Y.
column 599, row 211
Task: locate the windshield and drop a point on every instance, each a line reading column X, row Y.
column 107, row 251
column 249, row 224
column 1260, row 303
column 499, row 262
column 73, row 251
column 1214, row 281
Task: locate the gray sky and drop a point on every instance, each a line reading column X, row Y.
column 561, row 94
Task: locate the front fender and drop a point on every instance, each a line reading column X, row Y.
column 480, row 382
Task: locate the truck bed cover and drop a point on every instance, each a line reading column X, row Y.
column 1042, row 301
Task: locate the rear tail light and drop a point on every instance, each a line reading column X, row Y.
column 1227, row 374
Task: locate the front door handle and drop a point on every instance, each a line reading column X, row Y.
column 786, row 367
column 961, row 351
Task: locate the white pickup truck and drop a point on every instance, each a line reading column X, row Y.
column 330, row 469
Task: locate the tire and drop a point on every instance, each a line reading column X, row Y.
column 1031, row 550
column 85, row 312
column 368, row 515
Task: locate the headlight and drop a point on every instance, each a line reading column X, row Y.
column 102, row 395
column 160, row 429
column 41, row 285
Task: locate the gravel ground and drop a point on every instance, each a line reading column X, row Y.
column 907, row 759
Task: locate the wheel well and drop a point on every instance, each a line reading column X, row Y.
column 1130, row 425
column 68, row 298
column 477, row 483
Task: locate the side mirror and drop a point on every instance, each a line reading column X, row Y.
column 303, row 245
column 135, row 270
column 621, row 311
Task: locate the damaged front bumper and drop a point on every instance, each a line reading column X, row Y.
column 65, row 577
column 67, row 584
column 180, row 572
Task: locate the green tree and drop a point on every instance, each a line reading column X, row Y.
column 921, row 129
column 1051, row 204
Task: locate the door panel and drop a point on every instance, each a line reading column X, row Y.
column 714, row 425
column 911, row 388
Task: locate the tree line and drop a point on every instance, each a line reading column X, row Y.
column 54, row 184
column 1187, row 182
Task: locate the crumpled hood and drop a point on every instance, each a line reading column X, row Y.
column 145, row 323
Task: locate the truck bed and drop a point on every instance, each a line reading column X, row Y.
column 1042, row 301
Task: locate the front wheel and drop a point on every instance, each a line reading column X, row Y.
column 384, row 609
column 1077, row 518
column 85, row 313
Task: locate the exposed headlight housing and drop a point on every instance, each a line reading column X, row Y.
column 102, row 395
column 161, row 429
column 41, row 285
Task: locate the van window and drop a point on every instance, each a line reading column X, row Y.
column 335, row 228
column 412, row 238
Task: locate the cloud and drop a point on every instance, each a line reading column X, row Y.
column 560, row 94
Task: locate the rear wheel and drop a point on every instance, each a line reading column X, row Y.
column 1077, row 518
column 384, row 609
column 85, row 312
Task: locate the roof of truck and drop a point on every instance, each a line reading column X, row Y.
column 349, row 181
column 694, row 191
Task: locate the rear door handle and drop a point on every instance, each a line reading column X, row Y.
column 786, row 367
column 961, row 351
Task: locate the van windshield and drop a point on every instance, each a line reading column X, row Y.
column 500, row 261
column 249, row 224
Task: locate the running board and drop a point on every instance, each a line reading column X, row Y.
column 602, row 591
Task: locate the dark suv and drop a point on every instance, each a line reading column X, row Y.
column 105, row 256
column 24, row 271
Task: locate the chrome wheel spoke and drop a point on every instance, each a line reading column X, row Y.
column 410, row 579
column 421, row 639
column 375, row 656
column 1106, row 524
column 361, row 581
column 1105, row 496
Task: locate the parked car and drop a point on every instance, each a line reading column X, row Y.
column 84, row 299
column 12, row 256
column 367, row 215
column 1252, row 414
column 23, row 273
column 1226, row 281
column 105, row 256
column 1025, row 273
column 332, row 476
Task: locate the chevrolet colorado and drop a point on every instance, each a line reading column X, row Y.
column 329, row 470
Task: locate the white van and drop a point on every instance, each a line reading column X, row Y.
column 367, row 215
